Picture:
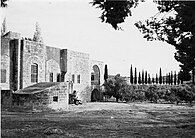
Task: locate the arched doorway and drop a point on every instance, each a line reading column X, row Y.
column 95, row 76
column 95, row 95
column 95, row 84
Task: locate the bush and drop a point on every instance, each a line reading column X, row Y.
column 185, row 93
column 181, row 93
column 151, row 93
column 170, row 95
column 133, row 93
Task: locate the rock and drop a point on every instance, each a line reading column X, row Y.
column 53, row 130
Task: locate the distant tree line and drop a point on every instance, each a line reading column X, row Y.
column 117, row 86
column 145, row 78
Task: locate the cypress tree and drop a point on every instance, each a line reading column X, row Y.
column 152, row 79
column 135, row 77
column 156, row 78
column 171, row 78
column 163, row 79
column 37, row 34
column 149, row 79
column 142, row 77
column 139, row 78
column 146, row 77
column 131, row 75
column 106, row 73
column 175, row 78
column 178, row 81
column 160, row 77
column 167, row 79
column 4, row 27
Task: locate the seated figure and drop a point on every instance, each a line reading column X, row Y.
column 73, row 99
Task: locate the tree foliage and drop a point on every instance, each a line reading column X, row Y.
column 149, row 79
column 115, row 87
column 139, row 78
column 146, row 77
column 4, row 27
column 160, row 77
column 174, row 24
column 152, row 80
column 156, row 78
column 105, row 73
column 115, row 12
column 176, row 28
column 135, row 76
column 37, row 34
column 175, row 78
column 171, row 78
column 143, row 77
column 4, row 3
column 131, row 75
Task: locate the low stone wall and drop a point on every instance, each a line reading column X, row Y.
column 6, row 98
column 55, row 97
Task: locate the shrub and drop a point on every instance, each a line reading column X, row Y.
column 180, row 93
column 151, row 93
column 139, row 95
column 186, row 93
column 171, row 95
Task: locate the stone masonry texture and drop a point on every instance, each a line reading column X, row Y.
column 18, row 54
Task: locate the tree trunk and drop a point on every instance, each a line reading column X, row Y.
column 117, row 99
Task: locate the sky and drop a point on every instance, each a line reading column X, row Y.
column 75, row 25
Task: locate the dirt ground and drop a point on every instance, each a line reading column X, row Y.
column 105, row 119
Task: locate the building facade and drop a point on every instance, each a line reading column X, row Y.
column 25, row 62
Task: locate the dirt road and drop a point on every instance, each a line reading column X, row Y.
column 103, row 120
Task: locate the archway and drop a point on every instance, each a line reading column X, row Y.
column 95, row 83
column 95, row 76
column 96, row 95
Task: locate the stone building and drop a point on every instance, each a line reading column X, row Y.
column 25, row 62
column 41, row 96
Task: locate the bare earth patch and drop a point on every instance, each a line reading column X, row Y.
column 103, row 120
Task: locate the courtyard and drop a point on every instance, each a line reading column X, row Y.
column 102, row 119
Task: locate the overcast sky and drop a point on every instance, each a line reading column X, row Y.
column 74, row 24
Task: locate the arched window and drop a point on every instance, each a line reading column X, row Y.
column 92, row 76
column 51, row 77
column 78, row 78
column 58, row 77
column 34, row 73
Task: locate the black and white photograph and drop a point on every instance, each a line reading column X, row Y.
column 97, row 68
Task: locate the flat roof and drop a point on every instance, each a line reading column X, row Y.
column 36, row 88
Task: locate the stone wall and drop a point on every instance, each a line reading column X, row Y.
column 54, row 97
column 6, row 98
column 6, row 51
column 61, row 92
column 33, row 52
column 5, row 63
column 78, row 64
column 52, row 63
